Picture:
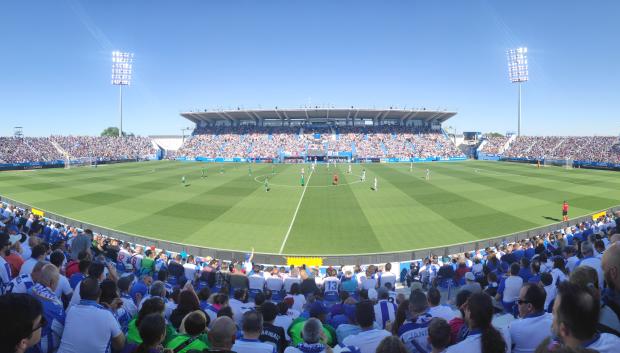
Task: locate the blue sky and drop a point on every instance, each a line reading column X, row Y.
column 56, row 58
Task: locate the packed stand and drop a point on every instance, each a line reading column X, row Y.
column 68, row 290
column 271, row 142
column 579, row 148
column 494, row 145
column 105, row 147
column 27, row 149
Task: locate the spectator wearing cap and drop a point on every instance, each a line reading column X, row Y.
column 5, row 269
column 587, row 249
column 534, row 324
column 350, row 327
column 369, row 338
column 23, row 330
column 471, row 284
column 140, row 289
column 89, row 327
column 508, row 291
column 252, row 327
column 575, row 318
column 158, row 289
column 318, row 311
column 385, row 309
column 414, row 331
column 271, row 333
column 435, row 308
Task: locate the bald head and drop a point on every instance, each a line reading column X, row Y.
column 49, row 276
column 611, row 266
column 222, row 334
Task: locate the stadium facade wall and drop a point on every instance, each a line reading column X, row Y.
column 334, row 260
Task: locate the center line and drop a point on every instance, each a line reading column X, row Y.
column 295, row 214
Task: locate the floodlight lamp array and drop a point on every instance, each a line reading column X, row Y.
column 517, row 65
column 122, row 64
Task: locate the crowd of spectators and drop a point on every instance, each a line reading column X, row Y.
column 494, row 144
column 43, row 149
column 64, row 289
column 362, row 142
column 27, row 149
column 579, row 148
column 105, row 147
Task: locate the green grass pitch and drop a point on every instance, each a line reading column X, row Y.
column 462, row 202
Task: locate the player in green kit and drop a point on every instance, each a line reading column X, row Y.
column 267, row 188
column 303, row 181
column 203, row 171
column 273, row 169
column 183, row 180
column 222, row 169
column 250, row 170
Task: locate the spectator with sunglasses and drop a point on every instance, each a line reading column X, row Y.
column 534, row 324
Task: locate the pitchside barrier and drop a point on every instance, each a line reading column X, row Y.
column 327, row 259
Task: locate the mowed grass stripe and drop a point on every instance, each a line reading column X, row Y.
column 470, row 215
column 512, row 189
column 399, row 221
column 582, row 196
column 330, row 218
column 179, row 220
column 260, row 220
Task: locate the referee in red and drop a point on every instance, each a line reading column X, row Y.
column 565, row 211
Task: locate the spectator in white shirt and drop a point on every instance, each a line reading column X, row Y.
column 38, row 254
column 534, row 324
column 575, row 317
column 437, row 310
column 369, row 338
column 90, row 327
column 509, row 292
column 252, row 326
column 571, row 259
column 385, row 310
column 387, row 276
column 190, row 268
column 550, row 288
column 57, row 258
column 587, row 250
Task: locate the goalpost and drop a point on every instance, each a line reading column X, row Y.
column 568, row 163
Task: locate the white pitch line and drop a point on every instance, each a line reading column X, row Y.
column 295, row 214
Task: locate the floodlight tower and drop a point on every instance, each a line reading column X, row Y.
column 518, row 72
column 122, row 63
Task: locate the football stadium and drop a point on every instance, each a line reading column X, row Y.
column 278, row 221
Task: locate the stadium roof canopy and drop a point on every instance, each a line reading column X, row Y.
column 341, row 116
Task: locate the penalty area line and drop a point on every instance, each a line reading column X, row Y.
column 288, row 232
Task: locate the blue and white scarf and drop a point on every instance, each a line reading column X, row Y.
column 45, row 293
column 311, row 347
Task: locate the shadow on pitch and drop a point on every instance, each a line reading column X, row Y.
column 552, row 219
